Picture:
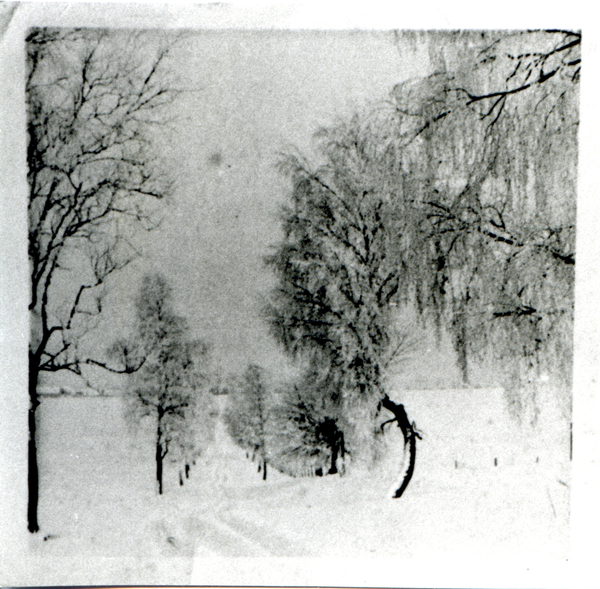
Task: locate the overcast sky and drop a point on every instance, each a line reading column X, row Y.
column 256, row 93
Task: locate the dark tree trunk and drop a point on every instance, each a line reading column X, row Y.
column 159, row 468
column 187, row 471
column 159, row 458
column 459, row 327
column 462, row 362
column 410, row 440
column 460, row 345
column 412, row 456
column 33, row 474
column 571, row 441
column 264, row 470
column 334, row 455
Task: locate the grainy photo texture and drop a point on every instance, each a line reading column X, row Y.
column 298, row 294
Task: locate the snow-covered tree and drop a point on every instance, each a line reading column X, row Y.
column 339, row 279
column 248, row 416
column 336, row 278
column 169, row 385
column 309, row 427
column 93, row 100
column 483, row 155
column 456, row 197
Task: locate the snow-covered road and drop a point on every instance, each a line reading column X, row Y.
column 105, row 524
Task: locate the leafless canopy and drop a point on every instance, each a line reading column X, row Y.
column 94, row 98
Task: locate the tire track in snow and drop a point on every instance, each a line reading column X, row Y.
column 275, row 545
column 219, row 533
column 218, row 538
column 222, row 534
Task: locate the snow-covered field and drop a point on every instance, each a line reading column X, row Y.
column 482, row 489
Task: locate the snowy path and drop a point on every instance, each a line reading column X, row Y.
column 236, row 537
column 223, row 533
column 216, row 538
column 99, row 506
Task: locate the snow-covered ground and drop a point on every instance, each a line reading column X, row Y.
column 482, row 489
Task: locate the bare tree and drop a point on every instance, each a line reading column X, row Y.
column 484, row 156
column 248, row 416
column 338, row 278
column 94, row 98
column 170, row 381
column 455, row 197
column 309, row 427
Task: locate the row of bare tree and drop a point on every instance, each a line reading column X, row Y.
column 95, row 99
column 293, row 429
column 455, row 198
